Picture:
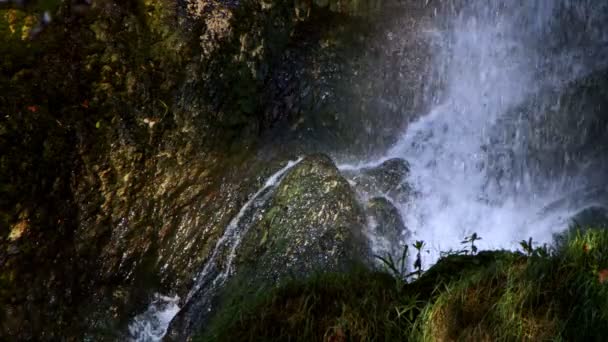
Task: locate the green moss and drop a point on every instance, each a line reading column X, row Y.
column 312, row 222
column 492, row 296
column 559, row 297
column 358, row 306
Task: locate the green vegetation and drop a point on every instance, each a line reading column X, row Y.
column 545, row 294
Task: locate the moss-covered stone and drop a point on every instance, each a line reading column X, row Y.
column 313, row 222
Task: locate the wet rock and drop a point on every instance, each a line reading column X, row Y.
column 313, row 222
column 388, row 228
column 387, row 178
column 592, row 217
column 555, row 143
column 352, row 83
column 310, row 222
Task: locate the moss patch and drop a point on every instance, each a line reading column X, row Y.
column 492, row 296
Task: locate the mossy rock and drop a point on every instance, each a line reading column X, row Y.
column 310, row 222
column 313, row 222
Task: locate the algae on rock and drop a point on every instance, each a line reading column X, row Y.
column 312, row 223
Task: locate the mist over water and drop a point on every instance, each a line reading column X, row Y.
column 470, row 155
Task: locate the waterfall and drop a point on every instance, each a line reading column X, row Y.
column 470, row 158
column 152, row 324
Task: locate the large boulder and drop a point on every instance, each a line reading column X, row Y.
column 313, row 222
column 309, row 222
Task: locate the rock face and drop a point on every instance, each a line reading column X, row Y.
column 358, row 79
column 312, row 223
column 388, row 232
column 386, row 179
column 556, row 144
column 592, row 217
column 379, row 188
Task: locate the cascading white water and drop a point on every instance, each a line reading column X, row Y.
column 494, row 55
column 152, row 325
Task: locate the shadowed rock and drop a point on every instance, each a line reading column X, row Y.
column 387, row 178
column 312, row 222
column 387, row 227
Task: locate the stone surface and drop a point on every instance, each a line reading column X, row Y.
column 592, row 217
column 386, row 179
column 388, row 232
column 312, row 223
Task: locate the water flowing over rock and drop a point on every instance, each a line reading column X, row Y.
column 310, row 222
column 389, row 179
column 387, row 233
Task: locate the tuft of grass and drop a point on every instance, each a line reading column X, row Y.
column 560, row 294
column 495, row 303
column 362, row 306
column 546, row 294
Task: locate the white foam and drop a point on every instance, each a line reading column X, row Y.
column 152, row 325
column 494, row 57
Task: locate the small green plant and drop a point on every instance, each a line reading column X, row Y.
column 418, row 263
column 397, row 268
column 540, row 251
column 471, row 240
column 526, row 246
column 409, row 309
